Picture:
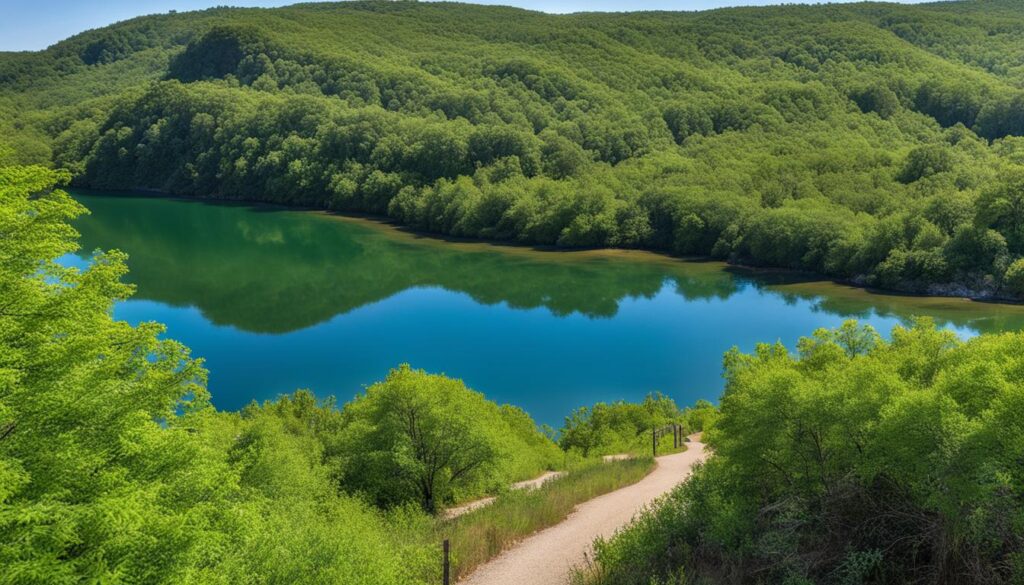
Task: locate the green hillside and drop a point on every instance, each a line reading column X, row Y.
column 878, row 143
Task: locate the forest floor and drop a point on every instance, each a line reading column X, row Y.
column 547, row 557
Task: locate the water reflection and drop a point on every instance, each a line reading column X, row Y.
column 277, row 300
column 274, row 271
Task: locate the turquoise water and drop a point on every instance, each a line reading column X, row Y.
column 276, row 300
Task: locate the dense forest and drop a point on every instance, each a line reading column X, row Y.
column 876, row 143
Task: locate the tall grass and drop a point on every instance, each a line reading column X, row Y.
column 482, row 534
column 641, row 446
column 626, row 557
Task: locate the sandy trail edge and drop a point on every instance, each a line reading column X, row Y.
column 536, row 482
column 547, row 557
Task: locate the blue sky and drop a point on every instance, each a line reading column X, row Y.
column 36, row 24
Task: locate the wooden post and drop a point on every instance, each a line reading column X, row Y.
column 446, row 563
column 675, row 436
column 654, row 442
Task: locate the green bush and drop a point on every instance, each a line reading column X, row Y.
column 1015, row 277
column 429, row 439
column 856, row 460
column 113, row 466
column 700, row 417
column 619, row 427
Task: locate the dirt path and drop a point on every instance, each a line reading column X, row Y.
column 522, row 485
column 547, row 557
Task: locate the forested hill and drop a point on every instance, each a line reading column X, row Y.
column 874, row 142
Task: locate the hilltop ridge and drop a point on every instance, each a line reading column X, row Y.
column 875, row 143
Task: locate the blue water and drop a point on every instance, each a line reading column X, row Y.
column 330, row 305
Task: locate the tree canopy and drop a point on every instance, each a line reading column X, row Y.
column 853, row 460
column 423, row 438
column 619, row 427
column 868, row 142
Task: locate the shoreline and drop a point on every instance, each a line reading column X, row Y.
column 389, row 226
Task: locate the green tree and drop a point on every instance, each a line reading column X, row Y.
column 925, row 161
column 96, row 477
column 617, row 427
column 426, row 438
column 845, row 461
column 1013, row 280
column 1002, row 208
column 113, row 467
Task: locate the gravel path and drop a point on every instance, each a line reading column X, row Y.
column 547, row 557
column 522, row 485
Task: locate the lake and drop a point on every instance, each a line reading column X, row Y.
column 274, row 300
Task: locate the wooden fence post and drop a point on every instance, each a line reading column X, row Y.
column 654, row 442
column 447, row 571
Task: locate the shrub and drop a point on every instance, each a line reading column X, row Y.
column 854, row 460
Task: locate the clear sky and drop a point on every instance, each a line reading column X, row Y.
column 35, row 24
